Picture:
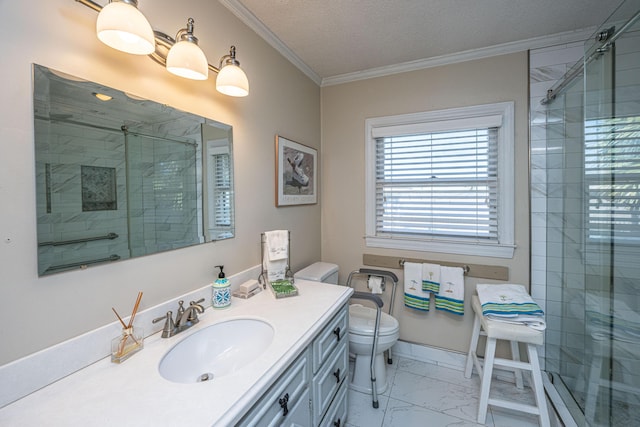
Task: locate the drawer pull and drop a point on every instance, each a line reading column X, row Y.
column 283, row 404
column 337, row 332
column 337, row 423
column 337, row 375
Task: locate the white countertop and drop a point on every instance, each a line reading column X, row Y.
column 134, row 394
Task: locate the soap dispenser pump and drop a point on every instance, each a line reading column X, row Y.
column 221, row 297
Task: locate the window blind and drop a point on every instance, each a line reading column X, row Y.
column 222, row 190
column 438, row 185
column 612, row 176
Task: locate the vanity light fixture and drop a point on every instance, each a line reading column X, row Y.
column 122, row 26
column 185, row 58
column 231, row 79
column 181, row 56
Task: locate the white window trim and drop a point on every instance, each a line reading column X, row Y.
column 440, row 120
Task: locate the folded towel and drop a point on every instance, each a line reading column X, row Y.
column 451, row 295
column 510, row 303
column 375, row 284
column 276, row 270
column 414, row 297
column 277, row 244
column 430, row 277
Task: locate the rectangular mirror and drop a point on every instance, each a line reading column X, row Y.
column 119, row 176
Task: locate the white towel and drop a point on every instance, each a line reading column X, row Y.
column 375, row 284
column 276, row 254
column 430, row 277
column 510, row 303
column 414, row 297
column 276, row 270
column 277, row 244
column 451, row 295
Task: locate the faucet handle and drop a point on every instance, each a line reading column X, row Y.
column 169, row 325
column 180, row 310
column 197, row 305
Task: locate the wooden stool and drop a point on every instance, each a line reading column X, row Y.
column 495, row 330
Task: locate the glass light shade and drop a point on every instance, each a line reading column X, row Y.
column 123, row 27
column 186, row 59
column 232, row 81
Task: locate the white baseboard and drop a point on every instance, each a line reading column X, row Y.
column 437, row 356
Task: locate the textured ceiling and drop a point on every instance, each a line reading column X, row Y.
column 338, row 37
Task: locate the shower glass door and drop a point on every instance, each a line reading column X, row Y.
column 593, row 230
column 612, row 223
column 162, row 193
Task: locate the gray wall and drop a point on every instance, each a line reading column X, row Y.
column 39, row 312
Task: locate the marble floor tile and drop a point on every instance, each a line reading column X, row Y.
column 431, row 370
column 405, row 414
column 438, row 395
column 361, row 412
column 505, row 418
column 423, row 394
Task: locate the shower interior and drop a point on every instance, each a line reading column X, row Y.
column 591, row 167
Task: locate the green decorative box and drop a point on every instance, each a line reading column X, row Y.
column 283, row 288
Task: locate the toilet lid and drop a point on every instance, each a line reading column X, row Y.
column 362, row 320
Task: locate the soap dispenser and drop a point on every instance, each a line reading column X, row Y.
column 221, row 290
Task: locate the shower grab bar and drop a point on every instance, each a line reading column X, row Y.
column 109, row 236
column 496, row 272
column 82, row 264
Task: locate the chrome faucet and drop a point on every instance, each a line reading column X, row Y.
column 185, row 318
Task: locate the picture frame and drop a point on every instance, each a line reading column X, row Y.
column 296, row 173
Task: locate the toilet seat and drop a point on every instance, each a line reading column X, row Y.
column 362, row 321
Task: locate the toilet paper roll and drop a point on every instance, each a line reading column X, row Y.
column 375, row 284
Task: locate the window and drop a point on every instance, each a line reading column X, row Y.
column 219, row 190
column 442, row 181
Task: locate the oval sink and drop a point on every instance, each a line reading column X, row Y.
column 216, row 350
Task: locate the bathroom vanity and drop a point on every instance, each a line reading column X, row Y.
column 303, row 373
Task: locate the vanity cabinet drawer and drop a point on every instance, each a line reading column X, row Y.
column 335, row 333
column 328, row 380
column 286, row 402
column 336, row 415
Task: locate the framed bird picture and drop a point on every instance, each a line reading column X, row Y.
column 296, row 173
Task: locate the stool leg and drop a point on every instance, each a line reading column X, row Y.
column 538, row 386
column 515, row 355
column 473, row 347
column 485, row 386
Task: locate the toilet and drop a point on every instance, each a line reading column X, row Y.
column 361, row 329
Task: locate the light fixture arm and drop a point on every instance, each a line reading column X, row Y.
column 186, row 34
column 229, row 59
column 164, row 41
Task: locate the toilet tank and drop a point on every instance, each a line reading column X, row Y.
column 319, row 272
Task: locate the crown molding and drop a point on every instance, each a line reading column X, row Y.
column 249, row 19
column 468, row 55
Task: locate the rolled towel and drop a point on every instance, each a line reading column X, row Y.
column 414, row 297
column 451, row 295
column 431, row 277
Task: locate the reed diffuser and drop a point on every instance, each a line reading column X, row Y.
column 132, row 339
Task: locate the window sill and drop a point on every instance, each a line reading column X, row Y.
column 458, row 248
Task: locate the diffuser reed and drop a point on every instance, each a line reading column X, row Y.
column 131, row 341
